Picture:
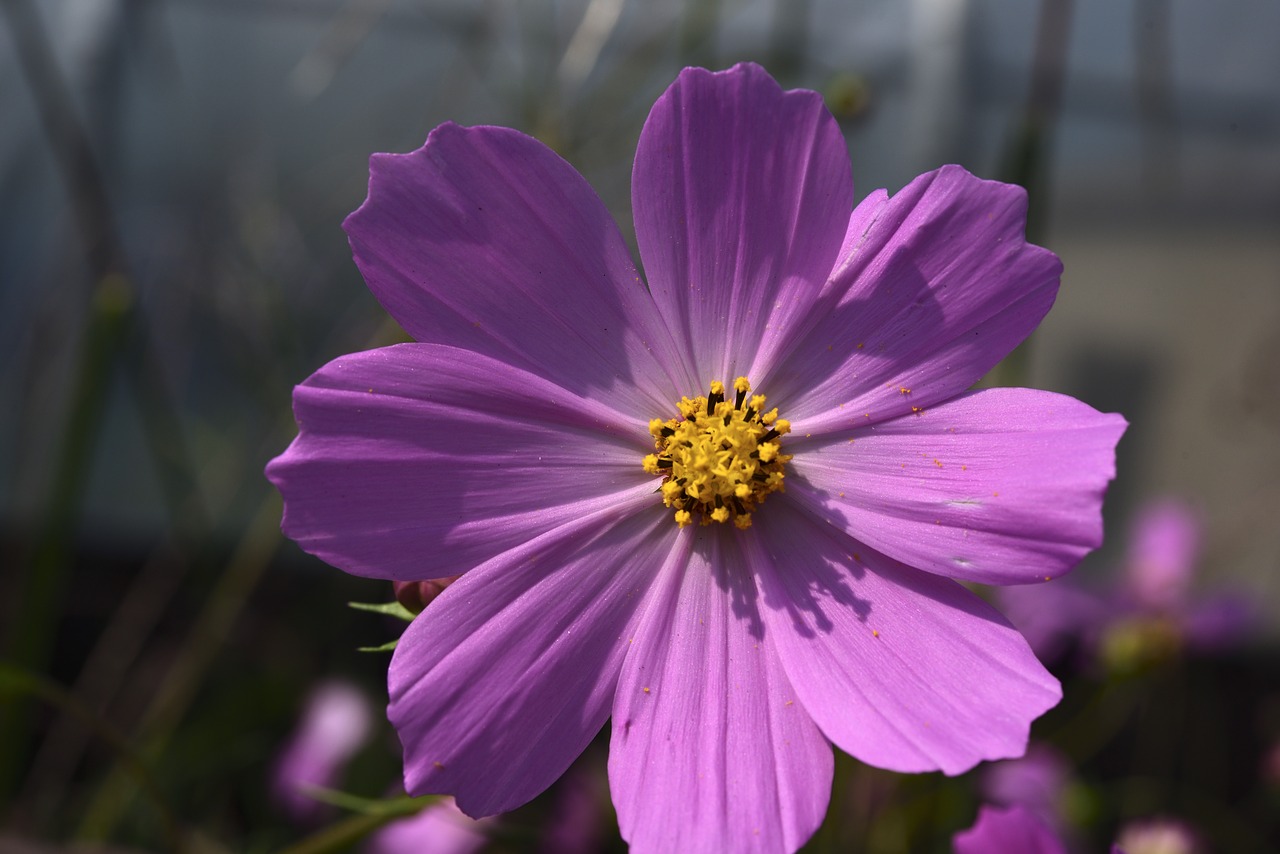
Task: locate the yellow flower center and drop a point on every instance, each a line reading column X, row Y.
column 719, row 460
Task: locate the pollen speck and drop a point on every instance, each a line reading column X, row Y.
column 875, row 633
column 646, row 690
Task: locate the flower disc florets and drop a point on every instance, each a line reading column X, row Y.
column 720, row 459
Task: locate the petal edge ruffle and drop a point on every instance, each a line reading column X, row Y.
column 741, row 193
column 487, row 240
column 941, row 286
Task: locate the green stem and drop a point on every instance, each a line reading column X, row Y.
column 348, row 831
column 30, row 634
column 174, row 697
column 1027, row 156
column 18, row 681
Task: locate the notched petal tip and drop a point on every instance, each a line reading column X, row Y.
column 1009, row 200
column 487, row 240
column 729, row 158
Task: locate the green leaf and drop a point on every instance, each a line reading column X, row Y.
column 386, row 647
column 391, row 609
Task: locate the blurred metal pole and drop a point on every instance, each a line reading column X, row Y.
column 789, row 38
column 1153, row 56
column 1026, row 161
column 938, row 64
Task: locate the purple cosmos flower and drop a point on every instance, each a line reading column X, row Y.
column 1008, row 830
column 1164, row 550
column 336, row 722
column 1164, row 546
column 439, row 829
column 640, row 534
column 1036, row 781
column 1149, row 614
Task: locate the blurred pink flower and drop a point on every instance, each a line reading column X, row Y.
column 1008, row 830
column 1150, row 613
column 1164, row 545
column 1036, row 781
column 335, row 724
column 439, row 829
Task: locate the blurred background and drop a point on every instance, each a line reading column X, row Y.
column 174, row 174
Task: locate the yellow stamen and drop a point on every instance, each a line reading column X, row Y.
column 721, row 458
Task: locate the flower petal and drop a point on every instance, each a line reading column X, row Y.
column 502, row 681
column 1002, row 486
column 741, row 195
column 485, row 239
column 421, row 461
column 710, row 752
column 901, row 669
column 941, row 287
